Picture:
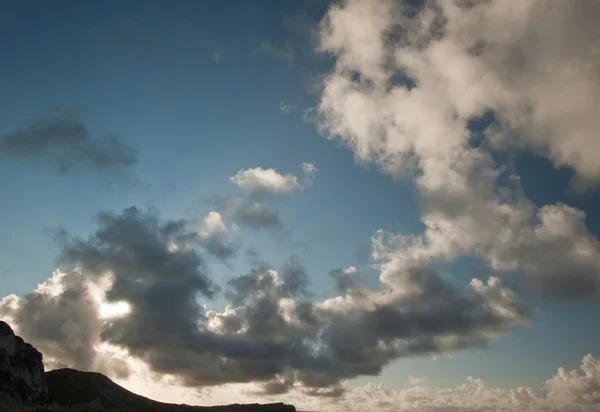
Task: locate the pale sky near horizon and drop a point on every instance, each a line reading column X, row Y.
column 335, row 204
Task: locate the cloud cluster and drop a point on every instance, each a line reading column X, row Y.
column 410, row 82
column 64, row 139
column 247, row 212
column 235, row 213
column 140, row 284
column 569, row 391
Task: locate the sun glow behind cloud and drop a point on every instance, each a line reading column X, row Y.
column 114, row 310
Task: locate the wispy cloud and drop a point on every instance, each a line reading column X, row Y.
column 287, row 107
column 216, row 56
column 61, row 137
column 285, row 53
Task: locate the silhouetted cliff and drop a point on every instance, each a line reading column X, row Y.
column 25, row 387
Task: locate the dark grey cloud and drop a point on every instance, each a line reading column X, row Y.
column 159, row 281
column 291, row 281
column 140, row 251
column 253, row 215
column 346, row 280
column 247, row 212
column 271, row 332
column 61, row 137
column 220, row 248
column 254, row 257
column 365, row 329
column 295, row 277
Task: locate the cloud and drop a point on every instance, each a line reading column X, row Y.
column 406, row 87
column 269, row 181
column 256, row 182
column 414, row 312
column 287, row 108
column 265, row 181
column 270, row 332
column 63, row 138
column 346, row 279
column 270, row 49
column 213, row 237
column 534, row 66
column 253, row 215
column 63, row 317
column 213, row 226
column 309, row 170
column 566, row 391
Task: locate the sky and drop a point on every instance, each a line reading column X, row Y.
column 349, row 204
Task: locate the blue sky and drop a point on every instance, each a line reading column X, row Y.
column 204, row 89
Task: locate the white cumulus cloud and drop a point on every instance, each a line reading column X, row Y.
column 270, row 181
column 265, row 180
column 405, row 88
